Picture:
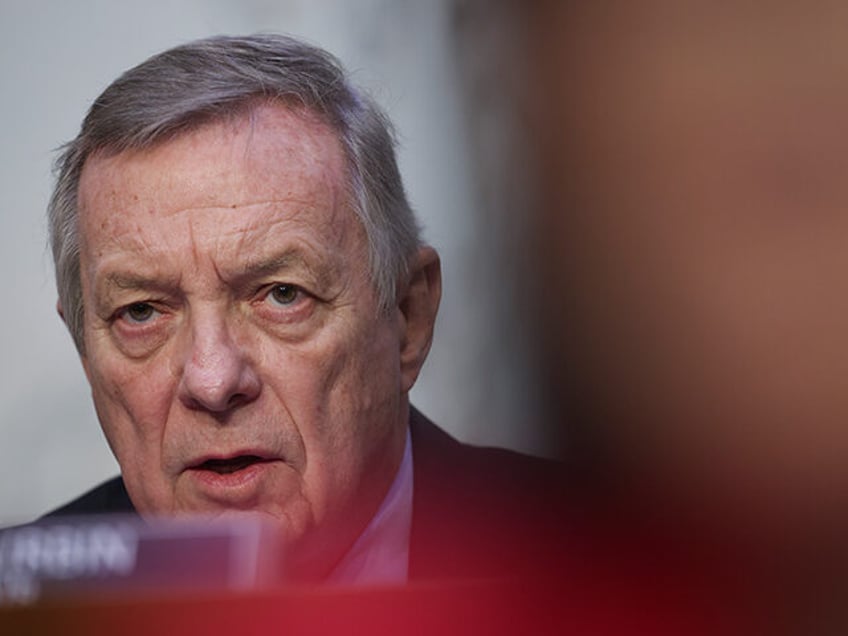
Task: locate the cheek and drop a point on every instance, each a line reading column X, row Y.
column 342, row 392
column 365, row 380
column 132, row 403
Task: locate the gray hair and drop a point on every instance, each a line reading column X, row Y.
column 214, row 78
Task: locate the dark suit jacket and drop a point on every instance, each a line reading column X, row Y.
column 477, row 512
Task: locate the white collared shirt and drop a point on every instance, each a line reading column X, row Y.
column 381, row 553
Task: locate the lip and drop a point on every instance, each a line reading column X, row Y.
column 240, row 488
column 197, row 462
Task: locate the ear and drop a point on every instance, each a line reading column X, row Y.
column 60, row 310
column 418, row 304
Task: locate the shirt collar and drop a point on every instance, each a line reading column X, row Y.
column 381, row 553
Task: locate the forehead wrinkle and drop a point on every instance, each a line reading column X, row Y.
column 115, row 262
column 304, row 219
column 239, row 251
column 294, row 251
column 302, row 205
column 311, row 193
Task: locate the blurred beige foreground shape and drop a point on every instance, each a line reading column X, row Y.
column 687, row 208
column 690, row 233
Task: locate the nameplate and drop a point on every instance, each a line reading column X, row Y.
column 124, row 555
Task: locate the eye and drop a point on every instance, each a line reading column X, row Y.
column 139, row 313
column 284, row 294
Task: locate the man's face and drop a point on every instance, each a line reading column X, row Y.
column 233, row 342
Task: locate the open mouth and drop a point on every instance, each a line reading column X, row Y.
column 230, row 465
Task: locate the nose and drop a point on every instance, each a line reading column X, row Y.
column 218, row 375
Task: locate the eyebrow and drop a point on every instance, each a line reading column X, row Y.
column 284, row 260
column 289, row 259
column 292, row 258
column 131, row 281
column 127, row 281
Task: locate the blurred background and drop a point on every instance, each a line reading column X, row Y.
column 56, row 57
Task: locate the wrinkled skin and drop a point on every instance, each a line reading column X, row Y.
column 229, row 312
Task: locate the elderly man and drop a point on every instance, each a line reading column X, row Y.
column 244, row 280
